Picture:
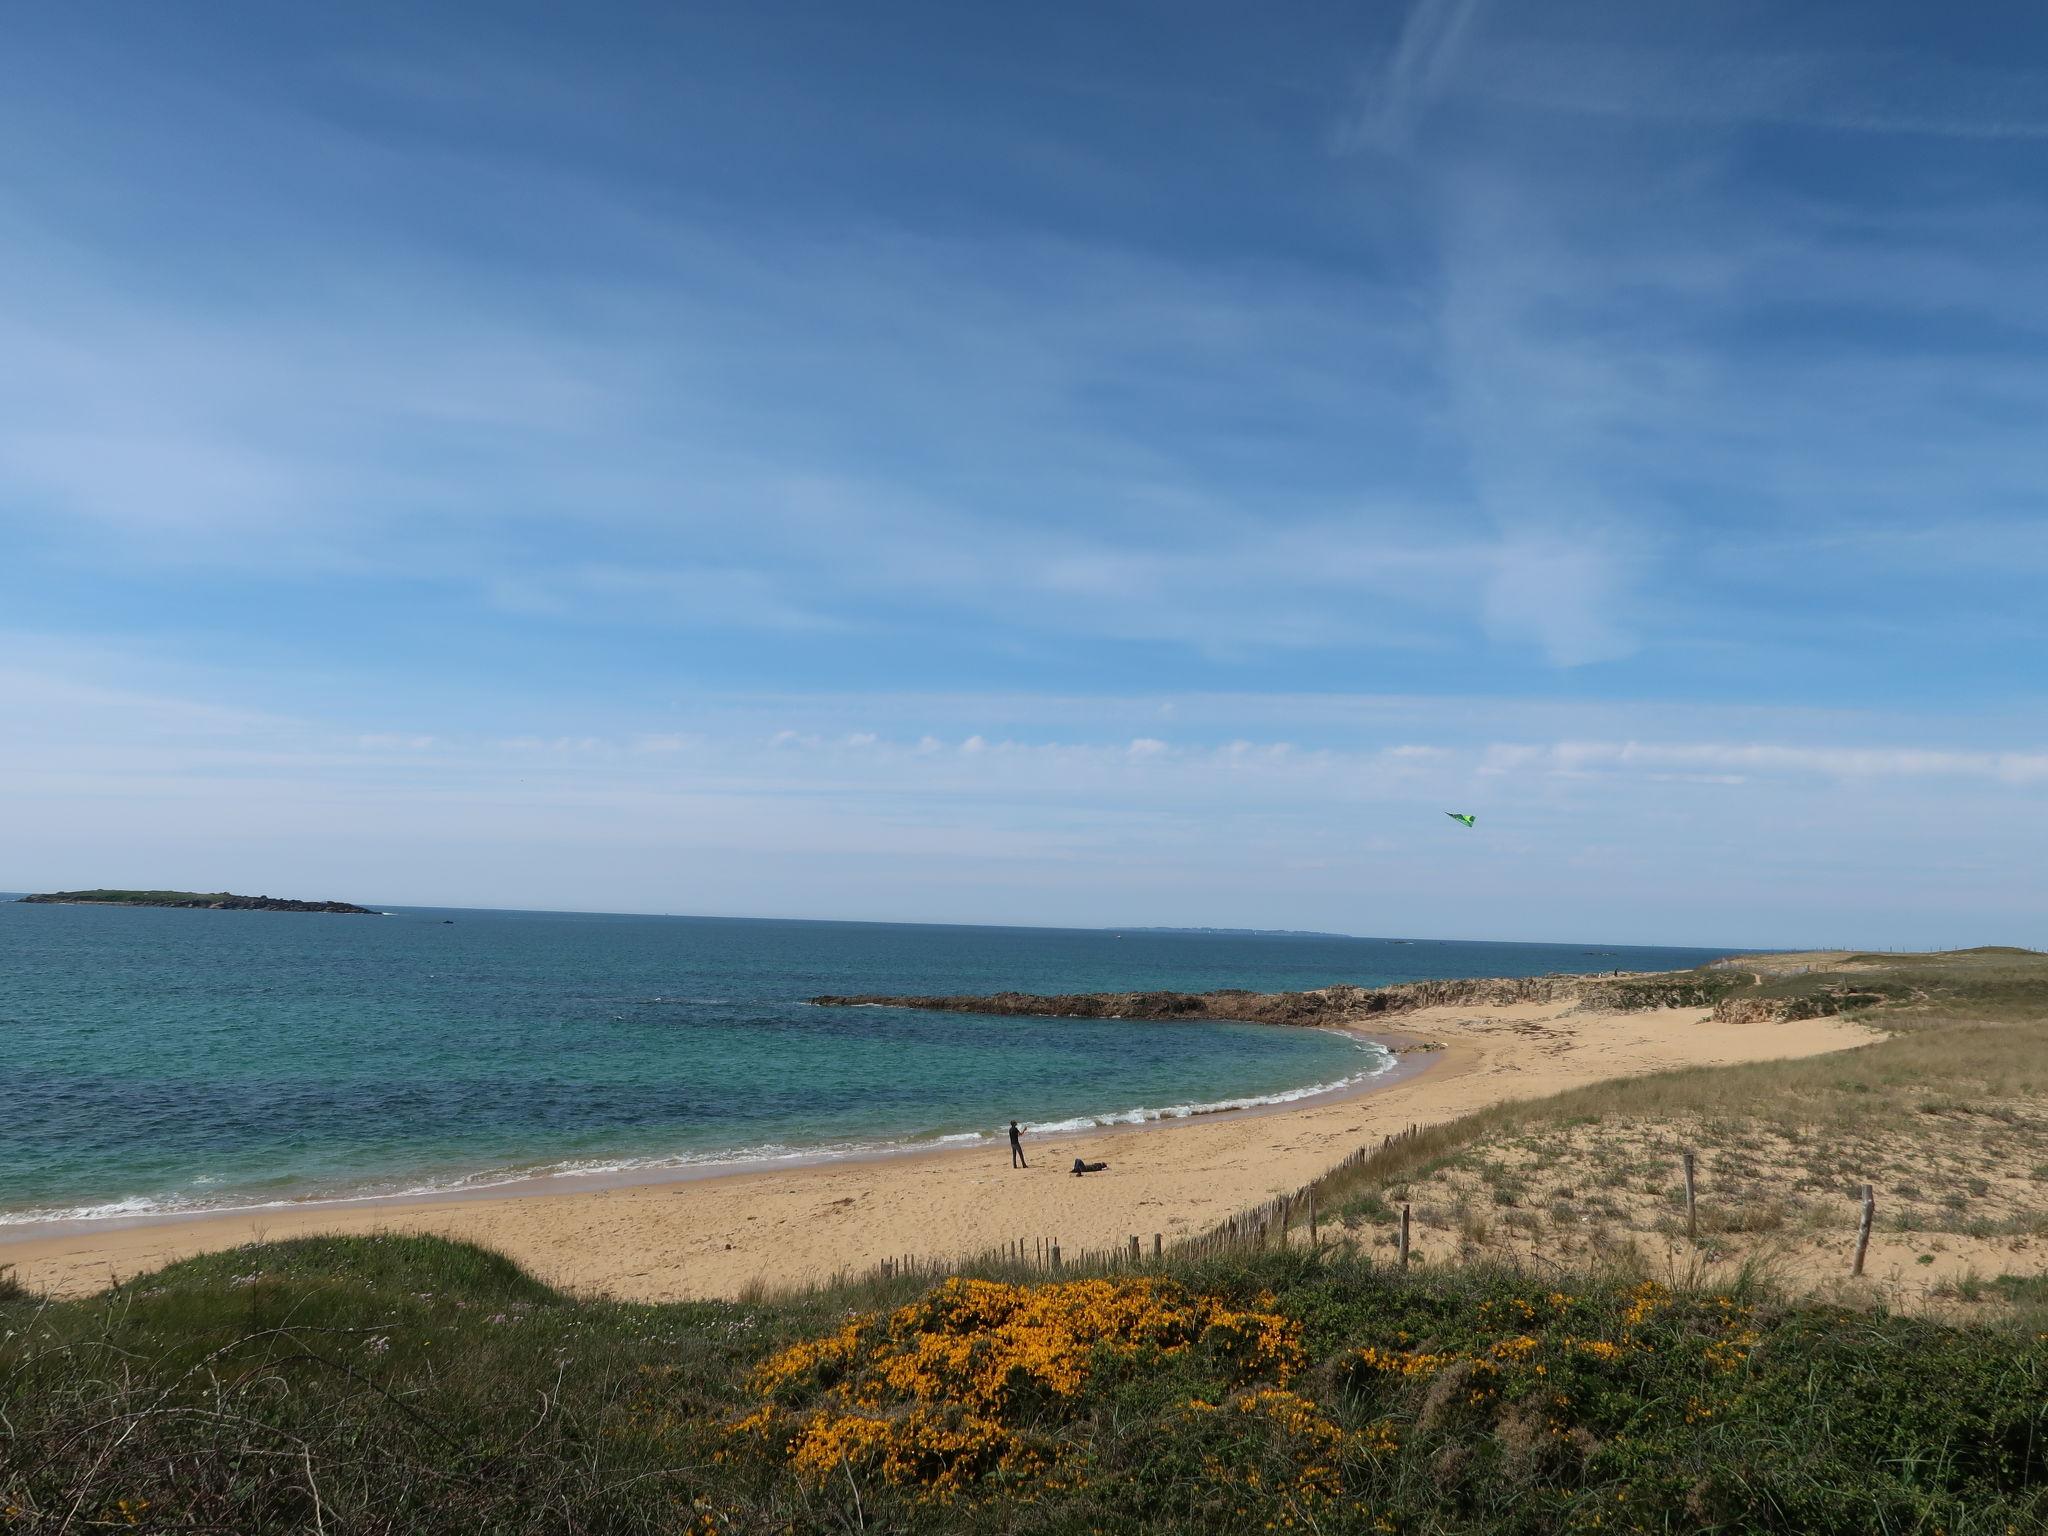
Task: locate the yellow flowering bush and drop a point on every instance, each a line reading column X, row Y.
column 947, row 1390
column 980, row 1387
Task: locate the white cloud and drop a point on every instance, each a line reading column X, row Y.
column 1430, row 43
column 1845, row 91
column 1755, row 758
column 1582, row 833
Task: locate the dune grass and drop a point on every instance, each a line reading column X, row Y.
column 409, row 1384
column 1945, row 1114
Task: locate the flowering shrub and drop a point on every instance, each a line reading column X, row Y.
column 982, row 1386
column 961, row 1384
column 1353, row 1402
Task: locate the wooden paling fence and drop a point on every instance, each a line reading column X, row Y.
column 1268, row 1225
column 1257, row 1228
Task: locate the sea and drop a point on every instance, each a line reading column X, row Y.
column 161, row 1060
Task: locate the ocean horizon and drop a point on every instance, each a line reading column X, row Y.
column 167, row 1060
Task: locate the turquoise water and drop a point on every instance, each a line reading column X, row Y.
column 158, row 1060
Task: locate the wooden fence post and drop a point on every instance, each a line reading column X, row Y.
column 1404, row 1236
column 1312, row 1238
column 1158, row 1246
column 1692, row 1212
column 1863, row 1228
column 1055, row 1255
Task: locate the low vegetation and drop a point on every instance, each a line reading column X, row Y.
column 1562, row 1356
column 414, row 1385
column 1779, row 986
column 1945, row 1115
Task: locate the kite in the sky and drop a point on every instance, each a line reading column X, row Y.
column 1470, row 821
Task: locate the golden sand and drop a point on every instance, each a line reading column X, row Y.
column 713, row 1236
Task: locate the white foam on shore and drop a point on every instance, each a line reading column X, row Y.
column 133, row 1205
column 766, row 1154
column 1151, row 1116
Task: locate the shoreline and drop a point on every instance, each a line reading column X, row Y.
column 1406, row 1057
column 723, row 1231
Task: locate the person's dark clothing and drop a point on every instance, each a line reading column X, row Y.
column 1017, row 1147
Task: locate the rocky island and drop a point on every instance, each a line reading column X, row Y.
column 219, row 901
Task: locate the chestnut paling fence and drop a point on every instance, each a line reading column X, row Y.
column 1283, row 1220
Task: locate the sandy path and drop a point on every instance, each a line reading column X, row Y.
column 710, row 1237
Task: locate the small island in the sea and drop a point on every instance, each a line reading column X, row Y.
column 218, row 901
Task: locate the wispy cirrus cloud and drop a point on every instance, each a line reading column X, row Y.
column 1423, row 61
column 1056, row 478
column 1843, row 91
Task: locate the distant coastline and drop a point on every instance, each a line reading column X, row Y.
column 1244, row 933
column 217, row 901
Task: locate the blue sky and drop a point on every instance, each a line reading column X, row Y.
column 1094, row 464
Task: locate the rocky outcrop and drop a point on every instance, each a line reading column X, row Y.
column 1323, row 1006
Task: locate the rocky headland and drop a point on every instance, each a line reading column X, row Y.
column 1737, row 994
column 1321, row 1007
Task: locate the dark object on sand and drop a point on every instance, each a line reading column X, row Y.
column 1081, row 1167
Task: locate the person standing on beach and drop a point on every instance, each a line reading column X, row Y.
column 1017, row 1147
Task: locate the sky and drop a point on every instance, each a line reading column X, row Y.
column 1077, row 465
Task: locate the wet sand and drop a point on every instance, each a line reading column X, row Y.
column 714, row 1236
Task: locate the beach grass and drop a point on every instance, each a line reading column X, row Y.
column 1565, row 1353
column 1944, row 1115
column 412, row 1384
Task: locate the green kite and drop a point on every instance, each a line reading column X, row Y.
column 1470, row 821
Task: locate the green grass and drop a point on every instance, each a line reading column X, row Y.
column 408, row 1384
column 1962, row 1068
column 1995, row 984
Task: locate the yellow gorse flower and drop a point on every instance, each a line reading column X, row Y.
column 1399, row 1363
column 1645, row 1301
column 966, row 1358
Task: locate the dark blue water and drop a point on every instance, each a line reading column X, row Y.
column 161, row 1059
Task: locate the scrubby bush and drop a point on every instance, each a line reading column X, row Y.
column 408, row 1384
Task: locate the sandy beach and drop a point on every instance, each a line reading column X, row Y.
column 707, row 1237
